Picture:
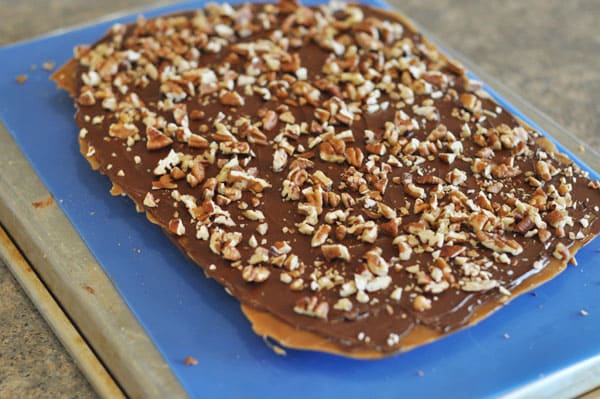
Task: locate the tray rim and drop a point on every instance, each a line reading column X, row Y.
column 67, row 268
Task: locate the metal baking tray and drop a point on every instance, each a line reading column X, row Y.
column 143, row 307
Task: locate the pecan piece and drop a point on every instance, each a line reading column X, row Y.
column 176, row 227
column 280, row 158
column 376, row 263
column 543, row 170
column 479, row 285
column 470, row 102
column 415, row 191
column 255, row 274
column 156, row 140
column 269, row 120
column 498, row 243
column 122, row 130
column 354, row 156
column 335, row 251
column 86, row 98
column 320, row 236
column 421, row 303
column 197, row 141
column 232, row 98
column 332, row 151
column 311, row 306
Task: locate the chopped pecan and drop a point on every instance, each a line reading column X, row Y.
column 354, row 156
column 150, row 201
column 122, row 130
column 456, row 177
column 156, row 140
column 421, row 303
column 558, row 218
column 232, row 98
column 404, row 249
column 321, row 179
column 255, row 274
column 391, row 227
column 499, row 243
column 269, row 120
column 335, row 251
column 561, row 252
column 415, row 191
column 503, row 171
column 479, row 285
column 197, row 141
column 176, row 227
column 321, row 235
column 375, row 262
column 86, row 98
column 470, row 102
column 543, row 170
column 280, row 158
column 332, row 150
column 311, row 306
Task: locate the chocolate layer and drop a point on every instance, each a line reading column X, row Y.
column 450, row 207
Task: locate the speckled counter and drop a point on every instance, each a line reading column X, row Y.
column 546, row 50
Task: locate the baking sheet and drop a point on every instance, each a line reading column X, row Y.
column 187, row 315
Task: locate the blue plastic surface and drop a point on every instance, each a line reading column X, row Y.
column 187, row 315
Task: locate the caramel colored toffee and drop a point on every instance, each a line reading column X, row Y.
column 330, row 168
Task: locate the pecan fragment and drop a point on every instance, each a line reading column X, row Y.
column 499, row 243
column 155, row 140
column 421, row 303
column 269, row 120
column 232, row 98
column 354, row 156
column 255, row 274
column 176, row 227
column 332, row 151
column 470, row 102
column 311, row 306
column 122, row 130
column 320, row 235
column 335, row 251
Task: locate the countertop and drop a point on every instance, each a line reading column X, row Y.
column 546, row 50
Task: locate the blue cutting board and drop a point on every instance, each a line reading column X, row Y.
column 187, row 315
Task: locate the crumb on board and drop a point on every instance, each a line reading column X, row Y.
column 420, row 373
column 21, row 78
column 48, row 65
column 583, row 312
column 190, row 361
column 506, row 336
column 89, row 289
column 43, row 203
column 581, row 148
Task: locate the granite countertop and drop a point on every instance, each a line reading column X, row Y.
column 548, row 51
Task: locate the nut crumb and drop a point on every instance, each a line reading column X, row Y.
column 190, row 361
column 48, row 65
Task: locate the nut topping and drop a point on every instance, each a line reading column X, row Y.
column 320, row 235
column 311, row 306
column 255, row 274
column 156, row 140
column 335, row 251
